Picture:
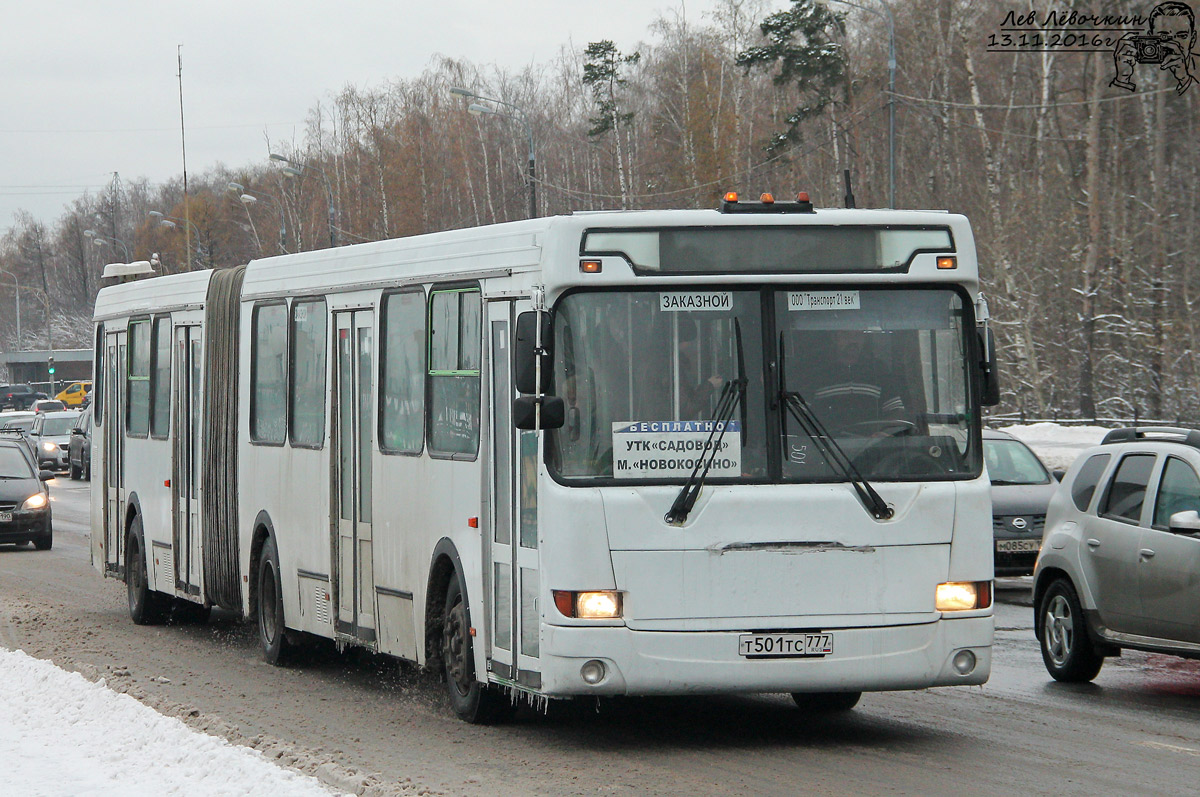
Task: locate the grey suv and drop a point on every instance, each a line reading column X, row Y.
column 1121, row 553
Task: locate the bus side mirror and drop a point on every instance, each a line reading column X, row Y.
column 989, row 371
column 554, row 412
column 526, row 354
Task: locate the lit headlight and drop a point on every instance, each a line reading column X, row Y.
column 37, row 501
column 49, row 447
column 605, row 605
column 960, row 596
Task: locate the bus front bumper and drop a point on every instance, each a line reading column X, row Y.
column 679, row 663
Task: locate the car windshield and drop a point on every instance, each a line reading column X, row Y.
column 14, row 464
column 53, row 427
column 643, row 373
column 1011, row 462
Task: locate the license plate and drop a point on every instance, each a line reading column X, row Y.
column 785, row 645
column 5, row 517
column 1018, row 546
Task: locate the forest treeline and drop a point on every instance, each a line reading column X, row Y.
column 1083, row 195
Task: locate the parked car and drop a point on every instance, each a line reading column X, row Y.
column 1119, row 563
column 47, row 405
column 75, row 394
column 24, row 499
column 1021, row 490
column 18, row 397
column 51, row 434
column 79, row 454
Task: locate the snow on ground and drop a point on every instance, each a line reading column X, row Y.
column 61, row 734
column 1057, row 445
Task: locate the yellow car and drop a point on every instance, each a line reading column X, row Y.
column 75, row 393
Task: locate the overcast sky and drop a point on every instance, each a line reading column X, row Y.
column 91, row 87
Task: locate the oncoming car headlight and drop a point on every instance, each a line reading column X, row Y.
column 37, row 501
column 961, row 596
column 49, row 447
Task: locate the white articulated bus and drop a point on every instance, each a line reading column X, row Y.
column 615, row 453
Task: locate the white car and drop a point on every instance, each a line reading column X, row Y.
column 1120, row 558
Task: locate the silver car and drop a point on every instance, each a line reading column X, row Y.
column 51, row 434
column 1120, row 558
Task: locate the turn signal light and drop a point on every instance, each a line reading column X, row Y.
column 947, row 262
column 961, row 596
column 591, row 266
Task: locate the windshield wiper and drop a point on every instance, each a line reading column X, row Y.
column 731, row 396
column 830, row 450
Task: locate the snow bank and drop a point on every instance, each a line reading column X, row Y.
column 64, row 735
column 1057, row 445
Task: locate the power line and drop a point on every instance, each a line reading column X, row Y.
column 982, row 106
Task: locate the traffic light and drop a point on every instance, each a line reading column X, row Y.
column 50, row 367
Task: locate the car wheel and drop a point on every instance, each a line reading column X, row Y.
column 45, row 540
column 271, row 628
column 87, row 470
column 472, row 701
column 826, row 701
column 1067, row 649
column 146, row 607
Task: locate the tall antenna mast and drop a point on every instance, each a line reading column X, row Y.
column 187, row 211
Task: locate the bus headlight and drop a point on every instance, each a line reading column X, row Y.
column 961, row 596
column 599, row 605
column 35, row 502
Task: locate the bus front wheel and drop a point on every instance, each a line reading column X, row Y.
column 271, row 631
column 472, row 701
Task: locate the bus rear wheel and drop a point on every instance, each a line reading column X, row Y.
column 271, row 633
column 146, row 607
column 826, row 701
column 474, row 702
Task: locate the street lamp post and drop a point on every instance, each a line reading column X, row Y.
column 891, row 23
column 170, row 222
column 297, row 169
column 103, row 240
column 247, row 199
column 476, row 109
column 17, row 296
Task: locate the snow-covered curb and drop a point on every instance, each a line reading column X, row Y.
column 64, row 735
column 1057, row 445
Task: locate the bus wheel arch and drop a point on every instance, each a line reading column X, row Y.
column 263, row 528
column 445, row 565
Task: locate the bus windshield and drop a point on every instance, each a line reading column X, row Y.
column 882, row 371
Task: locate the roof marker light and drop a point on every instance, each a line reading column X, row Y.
column 802, row 196
column 767, row 199
column 731, row 196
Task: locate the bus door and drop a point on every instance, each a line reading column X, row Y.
column 353, row 442
column 514, row 616
column 114, row 452
column 186, row 459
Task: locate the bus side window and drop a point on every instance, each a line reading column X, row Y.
column 455, row 352
column 402, row 384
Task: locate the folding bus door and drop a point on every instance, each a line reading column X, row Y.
column 114, row 452
column 353, row 443
column 515, row 577
column 186, row 459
